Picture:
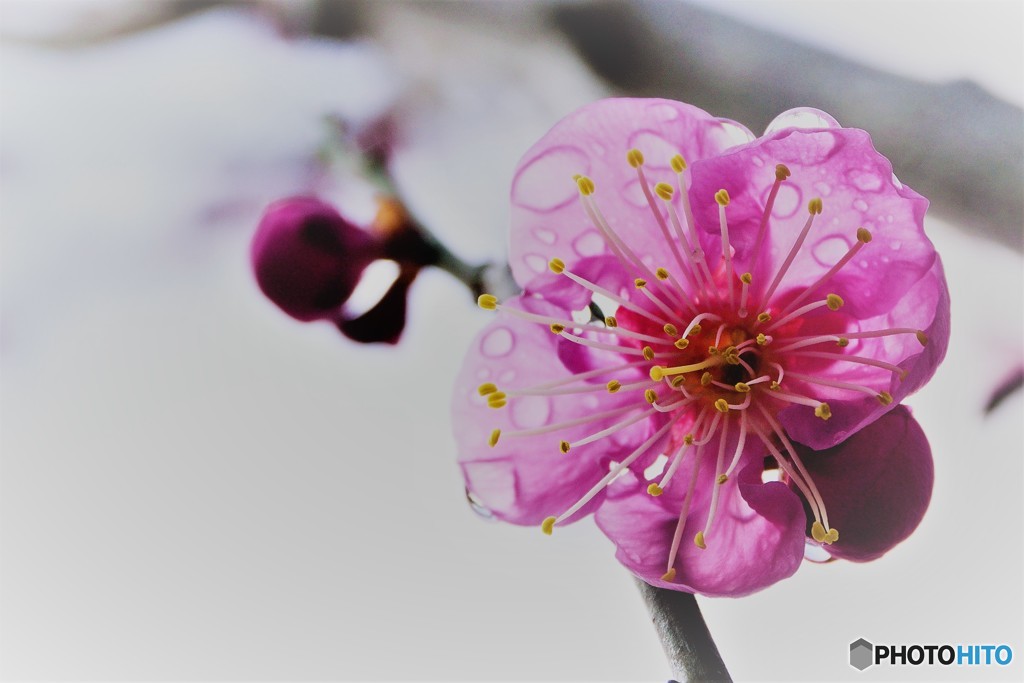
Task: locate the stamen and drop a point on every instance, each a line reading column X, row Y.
column 713, row 507
column 547, row 429
column 493, row 440
column 486, row 388
column 662, row 189
column 488, row 302
column 810, row 496
column 722, row 198
column 854, row 359
column 694, row 326
column 693, row 272
column 619, row 247
column 659, row 371
column 922, row 338
column 746, row 279
column 615, row 471
column 739, row 445
column 683, row 512
column 863, row 237
column 832, row 301
column 688, row 441
column 813, row 209
column 589, row 374
column 624, row 303
column 881, row 396
column 800, row 342
column 781, row 173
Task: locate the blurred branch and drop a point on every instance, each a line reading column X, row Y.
column 954, row 143
column 691, row 652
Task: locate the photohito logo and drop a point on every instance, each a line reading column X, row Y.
column 863, row 654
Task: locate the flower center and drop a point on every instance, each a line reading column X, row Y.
column 714, row 354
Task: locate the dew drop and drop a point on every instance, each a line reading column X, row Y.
column 656, row 149
column 506, row 377
column 895, row 245
column 529, row 412
column 865, row 181
column 663, row 112
column 823, row 188
column 590, row 402
column 633, row 193
column 860, row 205
column 544, row 235
column 801, row 117
column 829, row 250
column 545, row 183
column 730, row 134
column 862, row 263
column 787, row 201
column 807, row 149
column 477, row 506
column 589, row 243
column 757, row 161
column 483, row 373
column 816, row 553
column 497, row 343
column 535, row 262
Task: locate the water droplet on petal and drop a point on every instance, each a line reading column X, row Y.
column 757, row 161
column 497, row 343
column 634, row 194
column 545, row 183
column 829, row 250
column 730, row 134
column 656, row 149
column 816, row 553
column 590, row 402
column 589, row 243
column 544, row 235
column 536, row 262
column 823, row 188
column 862, row 263
column 860, row 205
column 801, row 117
column 506, row 377
column 529, row 412
column 663, row 112
column 865, row 181
column 895, row 245
column 787, row 201
column 477, row 506
column 483, row 373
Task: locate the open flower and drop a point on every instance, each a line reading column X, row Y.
column 711, row 347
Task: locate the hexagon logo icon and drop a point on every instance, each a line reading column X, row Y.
column 861, row 654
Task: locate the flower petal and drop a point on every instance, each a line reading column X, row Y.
column 876, row 485
column 524, row 479
column 925, row 307
column 757, row 538
column 548, row 219
column 857, row 188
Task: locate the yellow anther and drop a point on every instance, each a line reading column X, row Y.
column 547, row 525
column 657, row 372
column 664, row 190
column 676, row 381
column 814, row 206
column 610, row 321
column 585, row 185
column 661, row 274
column 722, row 197
column 650, row 396
column 557, row 328
column 922, row 338
column 712, row 350
column 885, row 398
column 842, row 342
column 688, row 439
column 823, row 411
column 762, row 339
column 722, row 406
column 639, row 283
column 773, row 386
column 722, row 478
column 614, row 386
column 655, row 490
column 781, row 172
column 705, row 379
column 497, row 399
column 681, row 343
column 635, row 158
column 764, row 317
column 732, row 358
column 495, row 435
column 556, row 265
column 832, row 536
column 834, row 302
column 564, row 446
column 648, row 353
column 488, row 302
column 818, row 531
column 678, row 163
column 742, row 387
column 695, row 330
column 486, row 388
column 576, row 176
column 863, row 235
column 698, row 540
column 497, row 404
column 671, row 330
column 746, row 278
column 670, row 575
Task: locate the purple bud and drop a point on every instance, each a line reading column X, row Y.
column 308, row 259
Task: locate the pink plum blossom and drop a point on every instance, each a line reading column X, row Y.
column 711, row 347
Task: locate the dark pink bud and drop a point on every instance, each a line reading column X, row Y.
column 308, row 258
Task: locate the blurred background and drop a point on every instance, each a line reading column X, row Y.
column 195, row 487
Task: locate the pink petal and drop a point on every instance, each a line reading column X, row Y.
column 525, row 479
column 548, row 219
column 858, row 189
column 757, row 538
column 925, row 307
column 876, row 485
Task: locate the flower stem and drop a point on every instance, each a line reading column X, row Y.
column 691, row 651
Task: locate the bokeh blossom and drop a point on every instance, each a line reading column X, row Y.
column 712, row 344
